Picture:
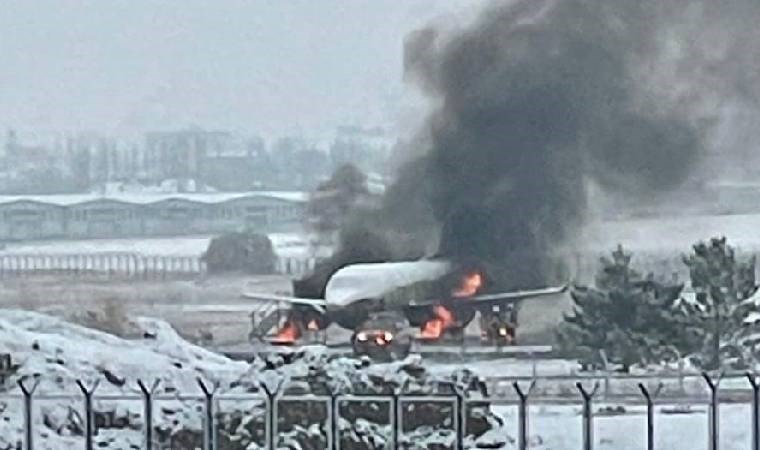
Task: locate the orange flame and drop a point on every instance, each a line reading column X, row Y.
column 434, row 328
column 469, row 286
column 289, row 333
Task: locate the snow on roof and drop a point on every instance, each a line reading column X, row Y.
column 364, row 281
column 154, row 197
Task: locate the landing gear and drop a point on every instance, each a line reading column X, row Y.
column 498, row 326
column 383, row 337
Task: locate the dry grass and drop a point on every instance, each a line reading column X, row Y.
column 107, row 306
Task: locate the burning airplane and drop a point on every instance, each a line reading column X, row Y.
column 419, row 291
column 536, row 105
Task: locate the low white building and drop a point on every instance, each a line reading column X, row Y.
column 148, row 214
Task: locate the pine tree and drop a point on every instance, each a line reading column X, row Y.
column 723, row 285
column 632, row 318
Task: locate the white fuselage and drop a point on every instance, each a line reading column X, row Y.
column 359, row 282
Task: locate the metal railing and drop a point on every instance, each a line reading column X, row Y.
column 270, row 418
column 111, row 265
column 130, row 265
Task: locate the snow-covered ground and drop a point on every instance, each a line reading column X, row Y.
column 290, row 245
column 61, row 353
column 673, row 234
column 174, row 246
column 511, row 367
column 554, row 427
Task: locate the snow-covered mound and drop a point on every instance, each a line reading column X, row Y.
column 58, row 353
column 61, row 353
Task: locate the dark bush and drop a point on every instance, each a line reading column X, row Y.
column 240, row 252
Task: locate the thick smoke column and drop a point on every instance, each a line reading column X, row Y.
column 535, row 101
column 539, row 99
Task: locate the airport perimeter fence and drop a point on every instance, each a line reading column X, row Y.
column 109, row 265
column 214, row 420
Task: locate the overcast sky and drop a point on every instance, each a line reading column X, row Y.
column 271, row 67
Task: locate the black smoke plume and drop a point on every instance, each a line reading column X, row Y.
column 537, row 101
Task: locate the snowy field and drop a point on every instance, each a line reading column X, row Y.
column 211, row 305
column 554, row 427
column 675, row 234
column 672, row 234
column 293, row 245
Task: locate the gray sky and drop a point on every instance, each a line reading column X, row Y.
column 256, row 66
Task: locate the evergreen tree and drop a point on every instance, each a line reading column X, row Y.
column 632, row 318
column 723, row 286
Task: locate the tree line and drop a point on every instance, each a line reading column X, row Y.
column 635, row 319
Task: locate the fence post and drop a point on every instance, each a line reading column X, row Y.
column 208, row 395
column 650, row 397
column 395, row 423
column 89, row 419
column 148, row 400
column 606, row 364
column 333, row 421
column 28, row 392
column 588, row 431
column 755, row 410
column 522, row 414
column 271, row 413
column 713, row 384
column 461, row 418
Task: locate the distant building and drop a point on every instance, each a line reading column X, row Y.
column 365, row 148
column 235, row 163
column 95, row 160
column 221, row 159
column 299, row 163
column 31, row 219
column 30, row 150
column 148, row 214
column 35, row 163
column 175, row 154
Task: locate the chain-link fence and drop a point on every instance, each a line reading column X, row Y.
column 597, row 412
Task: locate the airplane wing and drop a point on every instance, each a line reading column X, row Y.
column 511, row 297
column 502, row 298
column 317, row 303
